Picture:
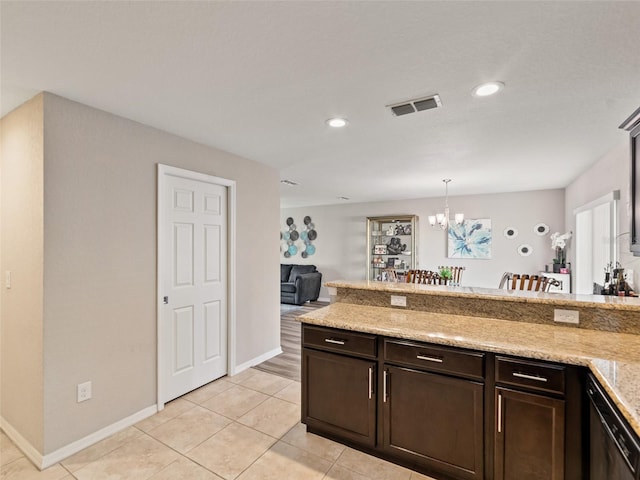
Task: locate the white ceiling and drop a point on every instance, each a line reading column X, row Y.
column 260, row 78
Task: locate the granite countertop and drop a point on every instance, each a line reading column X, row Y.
column 561, row 299
column 614, row 358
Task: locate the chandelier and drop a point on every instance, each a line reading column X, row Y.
column 442, row 219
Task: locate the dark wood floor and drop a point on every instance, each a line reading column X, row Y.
column 287, row 364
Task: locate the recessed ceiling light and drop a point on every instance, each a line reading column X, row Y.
column 336, row 122
column 288, row 182
column 487, row 89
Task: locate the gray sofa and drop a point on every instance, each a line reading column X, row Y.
column 299, row 283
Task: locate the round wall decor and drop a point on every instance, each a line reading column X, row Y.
column 541, row 229
column 294, row 241
column 511, row 232
column 525, row 250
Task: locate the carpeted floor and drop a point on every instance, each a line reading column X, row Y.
column 287, row 364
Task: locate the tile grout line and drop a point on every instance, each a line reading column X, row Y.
column 232, row 421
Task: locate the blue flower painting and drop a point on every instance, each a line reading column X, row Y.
column 471, row 239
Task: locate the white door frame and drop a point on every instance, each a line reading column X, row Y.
column 163, row 252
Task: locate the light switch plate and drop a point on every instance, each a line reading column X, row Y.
column 566, row 316
column 398, row 301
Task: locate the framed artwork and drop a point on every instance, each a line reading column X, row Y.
column 470, row 239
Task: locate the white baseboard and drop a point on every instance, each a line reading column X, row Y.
column 22, row 443
column 324, row 299
column 45, row 461
column 255, row 361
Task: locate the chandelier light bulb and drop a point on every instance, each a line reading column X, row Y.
column 442, row 219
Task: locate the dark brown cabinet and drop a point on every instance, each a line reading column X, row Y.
column 529, row 441
column 338, row 390
column 448, row 412
column 530, row 420
column 432, row 407
column 435, row 421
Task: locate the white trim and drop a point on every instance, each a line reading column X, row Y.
column 609, row 197
column 231, row 279
column 45, row 461
column 256, row 361
column 231, row 266
column 22, row 443
column 324, row 299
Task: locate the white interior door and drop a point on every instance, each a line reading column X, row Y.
column 192, row 269
column 596, row 231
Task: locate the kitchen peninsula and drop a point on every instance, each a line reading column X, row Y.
column 453, row 381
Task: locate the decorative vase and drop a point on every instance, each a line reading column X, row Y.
column 557, row 267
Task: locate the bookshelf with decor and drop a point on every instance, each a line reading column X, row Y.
column 391, row 246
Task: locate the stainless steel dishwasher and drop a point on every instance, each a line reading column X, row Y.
column 614, row 446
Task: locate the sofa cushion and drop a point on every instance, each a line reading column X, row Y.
column 286, row 287
column 285, row 272
column 299, row 270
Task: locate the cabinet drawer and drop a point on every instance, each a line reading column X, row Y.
column 438, row 359
column 532, row 375
column 334, row 340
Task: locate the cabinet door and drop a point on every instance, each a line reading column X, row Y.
column 434, row 420
column 529, row 440
column 338, row 396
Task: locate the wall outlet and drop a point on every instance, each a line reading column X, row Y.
column 84, row 391
column 566, row 316
column 398, row 301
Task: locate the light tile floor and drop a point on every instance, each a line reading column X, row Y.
column 245, row 427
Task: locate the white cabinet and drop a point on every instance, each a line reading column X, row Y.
column 563, row 278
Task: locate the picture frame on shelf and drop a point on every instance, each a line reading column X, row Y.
column 380, row 249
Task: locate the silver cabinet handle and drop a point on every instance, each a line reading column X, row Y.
column 333, row 340
column 384, row 387
column 429, row 359
column 499, row 413
column 537, row 378
column 370, row 382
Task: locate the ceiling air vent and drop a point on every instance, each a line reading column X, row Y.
column 417, row 105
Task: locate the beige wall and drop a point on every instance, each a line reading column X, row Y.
column 341, row 242
column 611, row 172
column 100, row 264
column 21, row 227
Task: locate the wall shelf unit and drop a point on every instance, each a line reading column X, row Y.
column 391, row 246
